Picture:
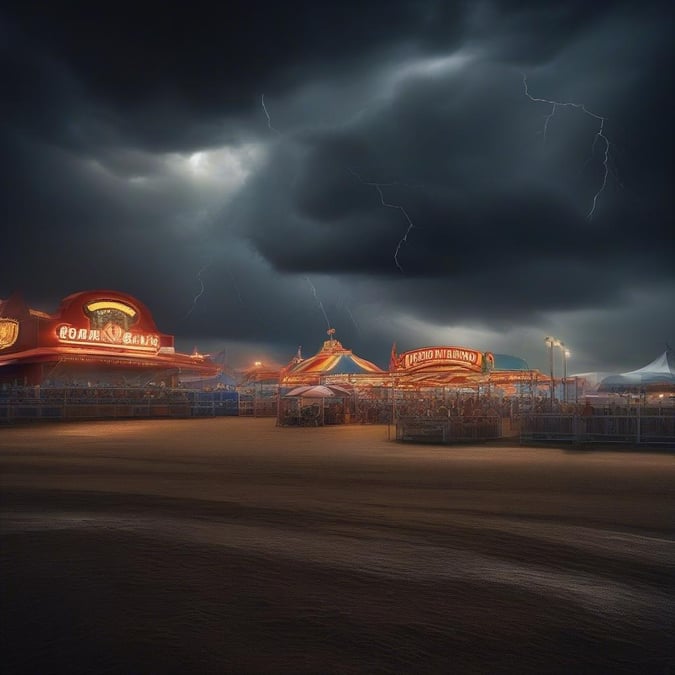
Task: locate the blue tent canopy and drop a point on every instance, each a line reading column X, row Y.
column 508, row 362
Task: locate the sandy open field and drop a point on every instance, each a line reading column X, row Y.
column 232, row 546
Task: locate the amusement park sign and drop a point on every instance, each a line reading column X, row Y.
column 440, row 357
column 110, row 325
column 110, row 335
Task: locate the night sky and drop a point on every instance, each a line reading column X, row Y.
column 257, row 172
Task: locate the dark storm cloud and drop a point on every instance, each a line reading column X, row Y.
column 158, row 74
column 479, row 185
column 164, row 78
column 137, row 156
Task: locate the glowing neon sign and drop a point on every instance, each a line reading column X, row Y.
column 440, row 356
column 110, row 325
column 111, row 335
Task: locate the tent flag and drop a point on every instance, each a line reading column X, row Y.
column 393, row 358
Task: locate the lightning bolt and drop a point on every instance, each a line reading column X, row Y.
column 311, row 285
column 599, row 135
column 316, row 297
column 351, row 316
column 342, row 304
column 201, row 290
column 404, row 238
column 377, row 186
column 269, row 119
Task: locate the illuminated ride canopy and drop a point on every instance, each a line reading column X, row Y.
column 332, row 361
column 103, row 337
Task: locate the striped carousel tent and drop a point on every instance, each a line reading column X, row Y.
column 331, row 359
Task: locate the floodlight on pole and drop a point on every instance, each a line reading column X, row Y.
column 559, row 343
column 566, row 354
column 551, row 342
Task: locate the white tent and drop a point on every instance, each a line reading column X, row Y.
column 660, row 373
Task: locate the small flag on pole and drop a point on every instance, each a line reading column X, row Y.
column 393, row 358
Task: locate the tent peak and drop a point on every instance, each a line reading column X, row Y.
column 663, row 364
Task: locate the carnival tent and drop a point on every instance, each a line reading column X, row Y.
column 331, row 359
column 657, row 375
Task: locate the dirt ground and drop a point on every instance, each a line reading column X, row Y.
column 232, row 545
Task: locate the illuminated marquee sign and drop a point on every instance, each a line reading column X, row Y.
column 109, row 335
column 440, row 357
column 109, row 325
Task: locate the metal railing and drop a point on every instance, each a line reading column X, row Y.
column 27, row 404
column 258, row 406
column 448, row 430
column 632, row 428
column 657, row 430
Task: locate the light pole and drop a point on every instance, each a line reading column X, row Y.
column 393, row 408
column 563, row 352
column 551, row 342
column 566, row 354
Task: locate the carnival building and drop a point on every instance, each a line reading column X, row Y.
column 95, row 338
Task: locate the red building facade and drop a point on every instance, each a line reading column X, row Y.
column 102, row 337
